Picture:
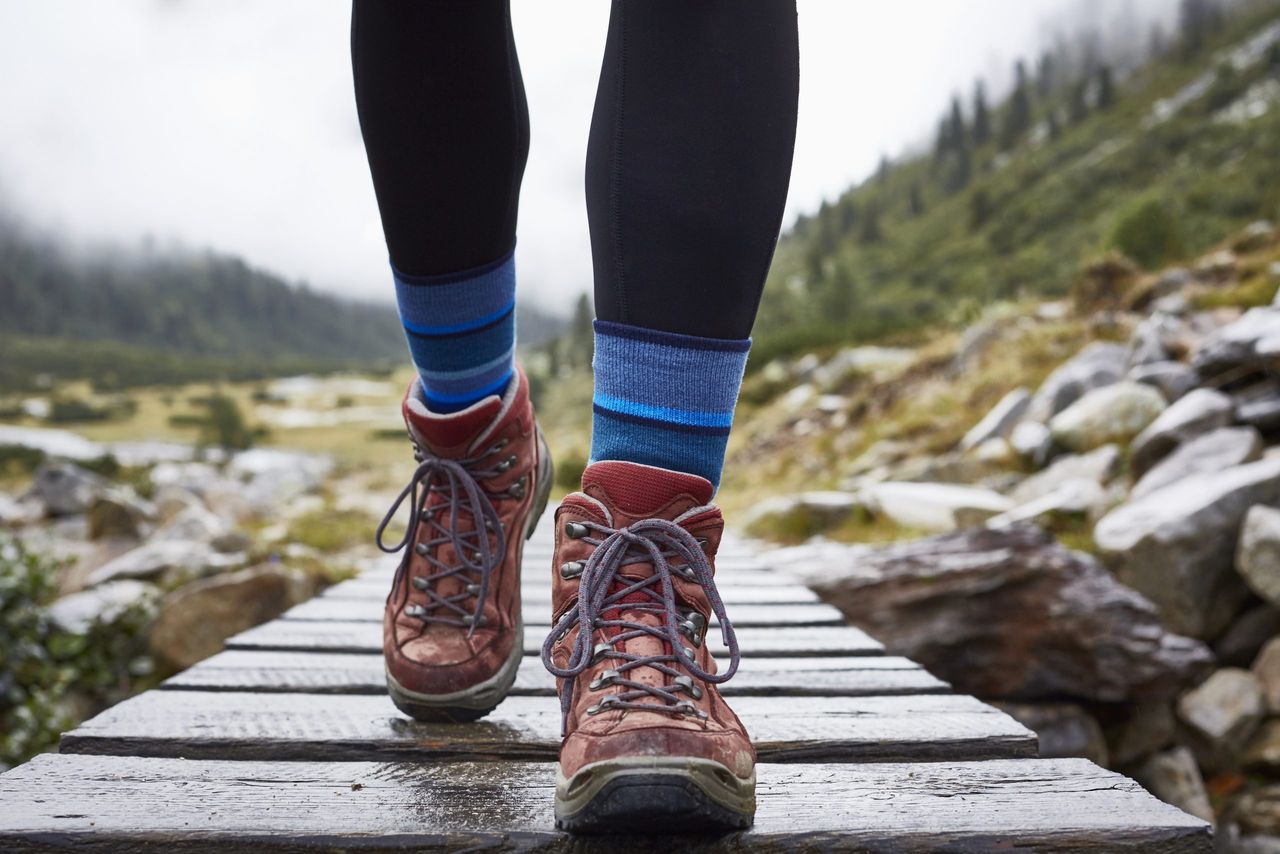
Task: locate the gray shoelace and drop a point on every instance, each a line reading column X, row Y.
column 651, row 541
column 477, row 558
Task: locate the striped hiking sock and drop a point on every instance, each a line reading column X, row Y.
column 664, row 399
column 462, row 330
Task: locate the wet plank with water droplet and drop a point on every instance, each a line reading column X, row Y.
column 242, row 725
column 366, row 636
column 347, row 673
column 124, row 803
column 539, row 613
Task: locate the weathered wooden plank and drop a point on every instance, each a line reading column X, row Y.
column 357, row 636
column 125, row 803
column 539, row 613
column 374, row 587
column 332, row 727
column 346, row 673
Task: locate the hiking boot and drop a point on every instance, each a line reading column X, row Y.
column 452, row 634
column 649, row 744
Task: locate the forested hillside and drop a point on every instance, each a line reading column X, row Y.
column 1156, row 155
column 122, row 318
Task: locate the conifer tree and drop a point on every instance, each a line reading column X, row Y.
column 1106, row 88
column 1017, row 119
column 981, row 115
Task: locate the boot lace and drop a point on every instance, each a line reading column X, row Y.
column 602, row 589
column 477, row 557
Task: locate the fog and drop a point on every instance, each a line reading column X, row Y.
column 230, row 124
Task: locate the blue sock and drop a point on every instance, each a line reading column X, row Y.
column 664, row 399
column 462, row 331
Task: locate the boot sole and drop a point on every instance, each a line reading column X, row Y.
column 655, row 795
column 473, row 703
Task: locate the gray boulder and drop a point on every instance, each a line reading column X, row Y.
column 1064, row 730
column 1193, row 415
column 174, row 560
column 1150, row 727
column 1258, row 554
column 999, row 421
column 1259, row 405
column 1240, row 644
column 1249, row 342
column 934, row 506
column 1173, row 379
column 103, row 604
column 65, row 488
column 1099, row 465
column 1099, row 364
column 1175, row 544
column 806, row 513
column 1006, row 614
column 1032, row 441
column 1079, row 498
column 1267, row 668
column 118, row 513
column 1151, row 340
column 1215, row 451
column 1113, row 413
column 1174, row 777
column 1224, row 710
column 195, row 620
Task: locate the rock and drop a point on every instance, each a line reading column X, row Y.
column 1193, row 415
column 883, row 453
column 1258, row 810
column 1217, row 267
column 1240, row 643
column 974, row 343
column 1255, row 236
column 806, row 513
column 1215, row 451
column 1099, row 465
column 1171, row 281
column 999, row 421
column 1073, row 498
column 1097, row 365
column 194, row 523
column 175, row 559
column 1174, row 777
column 1175, row 544
column 934, row 506
column 1259, row 405
column 1065, row 730
column 231, row 542
column 15, row 513
column 1149, row 727
column 1258, row 554
column 1006, row 614
column 1176, row 305
column 195, row 620
column 1263, row 750
column 1032, row 440
column 1243, row 344
column 1173, row 379
column 62, row 444
column 1114, row 413
column 118, row 513
column 1224, row 710
column 64, row 488
column 1148, row 344
column 103, row 604
column 172, row 500
column 996, row 452
column 1267, row 668
column 1104, row 284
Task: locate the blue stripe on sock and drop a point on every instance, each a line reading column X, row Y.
column 461, row 331
column 664, row 399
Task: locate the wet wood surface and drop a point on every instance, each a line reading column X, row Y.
column 363, row 673
column 243, row 725
column 365, row 636
column 123, row 803
column 286, row 742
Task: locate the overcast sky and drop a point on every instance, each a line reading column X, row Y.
column 230, row 123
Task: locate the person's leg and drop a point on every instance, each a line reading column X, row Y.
column 444, row 120
column 446, row 129
column 687, row 173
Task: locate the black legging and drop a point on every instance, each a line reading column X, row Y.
column 687, row 165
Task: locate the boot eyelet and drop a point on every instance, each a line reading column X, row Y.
column 604, row 680
column 427, row 514
column 690, row 630
column 415, row 611
column 604, row 705
column 421, row 549
column 475, row 555
column 420, row 583
column 689, row 653
column 702, row 541
column 686, row 684
column 572, row 569
column 473, row 589
column 576, row 530
column 498, row 445
column 516, row 490
column 471, row 620
column 684, row 572
column 600, row 649
column 686, row 707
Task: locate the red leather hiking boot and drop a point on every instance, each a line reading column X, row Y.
column 451, row 632
column 649, row 744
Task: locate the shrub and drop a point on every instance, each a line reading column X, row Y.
column 1148, row 233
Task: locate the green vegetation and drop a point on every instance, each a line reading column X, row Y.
column 1014, row 198
column 51, row 679
column 220, row 422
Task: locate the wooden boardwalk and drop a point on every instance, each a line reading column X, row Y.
column 286, row 741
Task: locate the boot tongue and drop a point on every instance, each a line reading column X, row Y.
column 448, row 434
column 641, row 492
